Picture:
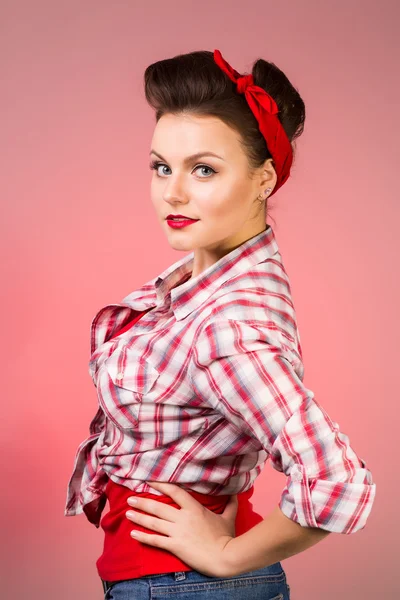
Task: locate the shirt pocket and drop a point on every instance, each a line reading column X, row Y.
column 126, row 378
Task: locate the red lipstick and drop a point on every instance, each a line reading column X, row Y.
column 178, row 221
column 175, row 224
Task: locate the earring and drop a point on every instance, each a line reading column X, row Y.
column 266, row 192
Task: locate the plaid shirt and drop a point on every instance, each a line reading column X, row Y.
column 206, row 387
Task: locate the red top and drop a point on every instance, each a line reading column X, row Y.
column 126, row 558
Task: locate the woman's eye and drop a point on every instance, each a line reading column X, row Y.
column 205, row 167
column 156, row 166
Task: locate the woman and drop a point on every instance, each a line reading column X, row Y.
column 199, row 372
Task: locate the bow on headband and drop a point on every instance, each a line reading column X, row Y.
column 265, row 110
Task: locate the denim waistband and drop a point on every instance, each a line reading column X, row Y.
column 178, row 576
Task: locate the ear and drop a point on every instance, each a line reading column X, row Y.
column 268, row 175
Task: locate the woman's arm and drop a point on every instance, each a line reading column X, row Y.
column 255, row 381
column 272, row 540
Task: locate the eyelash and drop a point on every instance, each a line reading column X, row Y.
column 155, row 164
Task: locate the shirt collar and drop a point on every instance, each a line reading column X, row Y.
column 190, row 294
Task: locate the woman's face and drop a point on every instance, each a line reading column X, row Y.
column 218, row 191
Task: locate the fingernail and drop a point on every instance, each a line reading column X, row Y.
column 132, row 501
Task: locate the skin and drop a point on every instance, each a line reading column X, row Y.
column 225, row 202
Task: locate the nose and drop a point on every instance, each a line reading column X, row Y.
column 174, row 190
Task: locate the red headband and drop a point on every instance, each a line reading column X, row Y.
column 265, row 110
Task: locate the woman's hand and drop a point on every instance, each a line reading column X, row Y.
column 193, row 533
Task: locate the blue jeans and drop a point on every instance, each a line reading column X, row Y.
column 268, row 583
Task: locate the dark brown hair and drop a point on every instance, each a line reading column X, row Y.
column 194, row 83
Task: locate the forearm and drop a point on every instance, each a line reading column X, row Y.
column 272, row 540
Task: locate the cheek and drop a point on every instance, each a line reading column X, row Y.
column 227, row 203
column 155, row 193
column 213, row 193
column 157, row 203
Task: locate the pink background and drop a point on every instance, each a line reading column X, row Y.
column 78, row 232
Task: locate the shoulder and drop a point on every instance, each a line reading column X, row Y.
column 261, row 295
column 250, row 310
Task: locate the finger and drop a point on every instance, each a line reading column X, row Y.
column 153, row 540
column 231, row 507
column 148, row 522
column 154, row 507
column 178, row 494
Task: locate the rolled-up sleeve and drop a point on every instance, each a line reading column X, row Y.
column 250, row 373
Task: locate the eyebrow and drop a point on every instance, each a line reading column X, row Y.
column 192, row 157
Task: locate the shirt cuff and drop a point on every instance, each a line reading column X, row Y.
column 336, row 506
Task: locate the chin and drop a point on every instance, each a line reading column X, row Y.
column 182, row 245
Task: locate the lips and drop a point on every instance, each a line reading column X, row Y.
column 180, row 223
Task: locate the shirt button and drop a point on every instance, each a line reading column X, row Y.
column 297, row 476
column 119, row 376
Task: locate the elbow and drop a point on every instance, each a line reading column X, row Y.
column 332, row 506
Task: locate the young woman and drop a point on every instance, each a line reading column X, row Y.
column 199, row 372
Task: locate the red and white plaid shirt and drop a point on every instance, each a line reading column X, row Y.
column 206, row 387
